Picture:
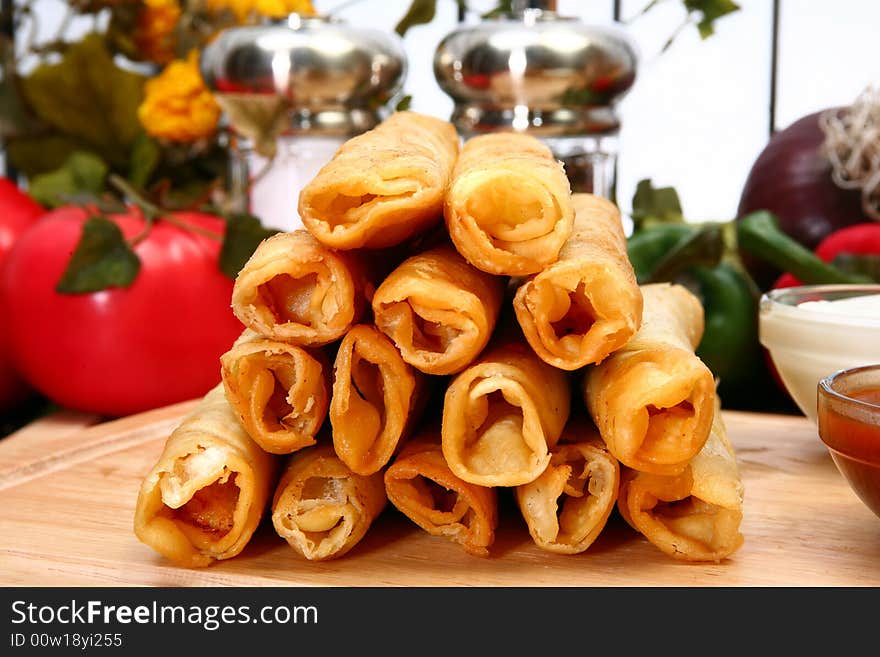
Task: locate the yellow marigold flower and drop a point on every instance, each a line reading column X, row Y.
column 281, row 8
column 154, row 31
column 244, row 9
column 177, row 105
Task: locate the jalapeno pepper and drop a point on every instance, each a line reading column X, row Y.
column 693, row 255
column 852, row 248
column 759, row 234
column 705, row 258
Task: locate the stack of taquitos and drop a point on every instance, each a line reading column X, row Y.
column 653, row 398
column 695, row 515
column 417, row 343
column 655, row 404
column 205, row 496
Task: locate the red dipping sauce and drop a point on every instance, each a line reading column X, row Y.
column 849, row 425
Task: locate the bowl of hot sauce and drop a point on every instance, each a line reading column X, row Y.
column 849, row 425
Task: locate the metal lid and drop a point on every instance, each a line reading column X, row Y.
column 537, row 72
column 332, row 77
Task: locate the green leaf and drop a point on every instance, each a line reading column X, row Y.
column 709, row 11
column 145, row 157
column 244, row 232
column 88, row 98
column 81, row 173
column 122, row 27
column 403, row 104
column 652, row 205
column 105, row 203
column 102, row 259
column 703, row 248
column 35, row 155
column 182, row 194
column 260, row 118
column 503, row 8
column 15, row 120
column 420, row 12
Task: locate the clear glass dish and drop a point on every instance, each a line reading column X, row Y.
column 849, row 425
column 808, row 343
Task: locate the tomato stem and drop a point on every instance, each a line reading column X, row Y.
column 152, row 212
column 141, row 236
column 150, row 209
column 174, row 221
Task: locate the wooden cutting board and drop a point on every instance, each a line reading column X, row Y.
column 67, row 493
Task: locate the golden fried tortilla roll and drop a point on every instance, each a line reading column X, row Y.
column 587, row 304
column 652, row 400
column 323, row 509
column 206, row 495
column 568, row 505
column 280, row 392
column 422, row 486
column 439, row 310
column 693, row 516
column 383, row 186
column 509, row 207
column 377, row 398
column 296, row 290
column 502, row 415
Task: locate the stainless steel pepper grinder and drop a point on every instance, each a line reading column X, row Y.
column 533, row 71
column 293, row 90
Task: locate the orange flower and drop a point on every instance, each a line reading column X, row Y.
column 154, row 31
column 177, row 105
column 281, row 8
column 245, row 9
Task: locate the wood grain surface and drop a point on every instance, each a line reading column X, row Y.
column 67, row 493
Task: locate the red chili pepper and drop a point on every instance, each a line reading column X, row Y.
column 859, row 239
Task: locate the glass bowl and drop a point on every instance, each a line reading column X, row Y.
column 849, row 425
column 809, row 342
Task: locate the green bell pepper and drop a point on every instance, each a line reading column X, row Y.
column 693, row 255
column 647, row 247
column 729, row 346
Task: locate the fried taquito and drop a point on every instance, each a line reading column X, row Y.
column 439, row 310
column 587, row 304
column 420, row 484
column 508, row 210
column 323, row 509
column 296, row 290
column 205, row 496
column 568, row 505
column 280, row 392
column 383, row 186
column 377, row 399
column 652, row 399
column 502, row 415
column 695, row 515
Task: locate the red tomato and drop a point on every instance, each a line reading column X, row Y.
column 121, row 350
column 17, row 212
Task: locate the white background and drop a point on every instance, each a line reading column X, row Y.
column 698, row 115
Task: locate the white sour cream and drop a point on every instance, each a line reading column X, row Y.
column 867, row 306
column 816, row 338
